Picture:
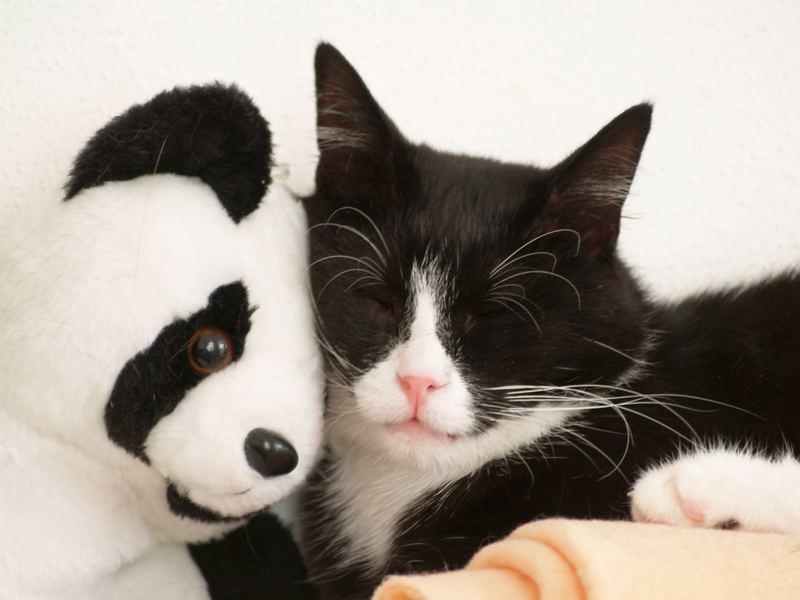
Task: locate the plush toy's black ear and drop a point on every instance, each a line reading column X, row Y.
column 213, row 132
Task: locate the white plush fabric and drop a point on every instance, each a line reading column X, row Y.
column 93, row 285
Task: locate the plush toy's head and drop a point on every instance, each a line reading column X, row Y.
column 158, row 320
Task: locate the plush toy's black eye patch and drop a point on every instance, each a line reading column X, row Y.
column 154, row 381
column 213, row 132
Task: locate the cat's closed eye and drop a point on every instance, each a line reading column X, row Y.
column 489, row 310
column 482, row 313
column 383, row 301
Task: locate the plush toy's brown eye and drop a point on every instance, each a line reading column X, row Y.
column 210, row 349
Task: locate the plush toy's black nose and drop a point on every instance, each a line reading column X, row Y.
column 268, row 453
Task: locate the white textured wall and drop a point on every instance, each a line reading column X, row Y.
column 717, row 198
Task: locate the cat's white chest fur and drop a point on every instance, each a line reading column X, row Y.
column 370, row 499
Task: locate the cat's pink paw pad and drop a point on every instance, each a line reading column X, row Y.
column 656, row 499
column 692, row 510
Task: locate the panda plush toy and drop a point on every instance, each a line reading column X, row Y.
column 161, row 382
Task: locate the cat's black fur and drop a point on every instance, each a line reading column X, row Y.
column 721, row 365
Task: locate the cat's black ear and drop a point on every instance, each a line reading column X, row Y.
column 356, row 139
column 590, row 187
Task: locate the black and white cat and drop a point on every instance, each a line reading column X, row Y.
column 492, row 360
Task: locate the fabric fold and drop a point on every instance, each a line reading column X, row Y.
column 559, row 559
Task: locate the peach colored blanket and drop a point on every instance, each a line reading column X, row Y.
column 559, row 559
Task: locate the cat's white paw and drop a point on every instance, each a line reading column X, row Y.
column 721, row 489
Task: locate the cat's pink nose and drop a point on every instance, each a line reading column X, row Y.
column 416, row 389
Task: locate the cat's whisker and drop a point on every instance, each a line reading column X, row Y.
column 585, row 395
column 526, row 465
column 367, row 218
column 333, row 420
column 328, row 348
column 501, row 299
column 365, row 285
column 630, row 399
column 374, row 267
column 335, row 361
column 585, row 388
column 577, row 407
column 339, row 274
column 496, row 272
column 639, row 400
column 335, row 376
column 361, row 260
column 353, row 285
column 628, row 438
column 335, row 382
column 633, row 359
column 625, row 406
column 521, row 296
column 561, row 435
column 667, row 427
column 501, row 302
column 534, row 240
column 500, row 388
column 676, row 414
column 356, row 232
column 675, row 396
column 516, row 286
column 615, row 465
column 548, row 273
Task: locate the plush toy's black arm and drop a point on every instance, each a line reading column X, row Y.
column 258, row 561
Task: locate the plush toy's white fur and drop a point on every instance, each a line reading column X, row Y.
column 79, row 516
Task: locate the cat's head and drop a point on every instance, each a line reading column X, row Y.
column 459, row 296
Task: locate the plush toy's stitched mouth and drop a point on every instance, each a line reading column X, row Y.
column 183, row 506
